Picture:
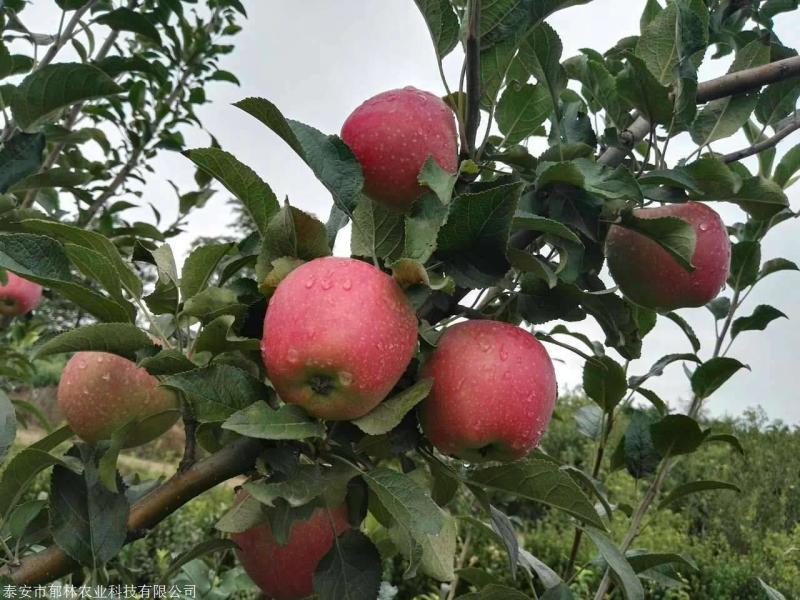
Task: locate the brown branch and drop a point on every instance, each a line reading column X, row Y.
column 731, row 84
column 234, row 459
column 65, row 35
column 763, row 145
column 473, row 52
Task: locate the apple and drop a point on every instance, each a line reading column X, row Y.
column 650, row 277
column 494, row 390
column 19, row 296
column 338, row 334
column 286, row 572
column 393, row 134
column 100, row 392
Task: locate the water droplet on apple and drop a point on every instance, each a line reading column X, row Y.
column 703, row 227
column 327, row 284
column 347, row 285
column 107, row 377
column 309, row 283
column 503, row 354
column 292, row 355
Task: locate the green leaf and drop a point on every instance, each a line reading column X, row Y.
column 442, row 24
column 714, row 178
column 653, row 399
column 351, row 570
column 218, row 337
column 422, row 227
column 719, row 307
column 292, row 232
column 644, row 562
column 167, row 362
column 777, row 101
column 727, row 438
column 93, row 241
column 377, row 231
column 98, row 268
column 239, row 179
column 674, row 235
column 305, row 484
column 388, row 414
column 677, row 434
column 42, row 260
column 772, row 593
column 124, row 339
column 287, row 423
column 213, row 303
column 695, row 486
column 540, row 481
column 709, row 376
column 474, row 239
column 667, row 35
column 686, row 328
column 502, row 19
column 638, row 87
column 540, row 56
column 439, row 181
column 328, row 156
column 56, row 86
column 21, row 155
column 776, row 265
column 200, row 266
column 522, row 109
column 786, row 169
column 677, row 178
column 22, row 469
column 745, row 262
column 762, row 316
column 639, row 453
column 762, row 198
column 242, row 516
column 631, row 586
column 56, row 177
column 531, row 222
column 125, row 19
column 726, row 116
column 218, row 391
column 199, row 550
column 89, row 522
column 8, row 426
column 604, row 381
column 533, row 265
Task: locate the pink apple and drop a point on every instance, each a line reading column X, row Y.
column 651, row 277
column 19, row 296
column 286, row 571
column 393, row 134
column 338, row 334
column 100, row 392
column 493, row 392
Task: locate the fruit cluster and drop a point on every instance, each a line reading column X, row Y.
column 339, row 333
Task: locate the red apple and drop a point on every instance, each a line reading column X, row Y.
column 393, row 134
column 286, row 572
column 100, row 392
column 338, row 334
column 493, row 392
column 649, row 276
column 19, row 296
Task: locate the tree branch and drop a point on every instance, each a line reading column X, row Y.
column 473, row 52
column 764, row 145
column 731, row 84
column 234, row 459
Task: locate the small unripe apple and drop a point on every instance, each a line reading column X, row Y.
column 338, row 334
column 649, row 276
column 393, row 134
column 286, row 572
column 101, row 392
column 19, row 296
column 494, row 389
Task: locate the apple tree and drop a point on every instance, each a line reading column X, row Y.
column 383, row 406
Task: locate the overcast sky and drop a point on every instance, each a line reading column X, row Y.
column 319, row 59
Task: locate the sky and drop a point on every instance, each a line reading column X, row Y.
column 317, row 60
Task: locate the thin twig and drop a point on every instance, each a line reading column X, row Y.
column 763, row 145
